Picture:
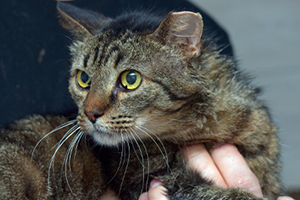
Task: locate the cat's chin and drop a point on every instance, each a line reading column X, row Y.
column 102, row 136
column 106, row 138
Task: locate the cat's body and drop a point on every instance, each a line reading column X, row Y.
column 143, row 90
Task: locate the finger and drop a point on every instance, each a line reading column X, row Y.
column 144, row 196
column 156, row 191
column 200, row 160
column 234, row 169
column 285, row 198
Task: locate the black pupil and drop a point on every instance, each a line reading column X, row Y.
column 84, row 77
column 131, row 78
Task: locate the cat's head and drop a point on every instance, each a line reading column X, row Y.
column 132, row 77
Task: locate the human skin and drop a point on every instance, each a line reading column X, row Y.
column 225, row 166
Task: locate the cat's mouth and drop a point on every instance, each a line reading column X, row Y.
column 110, row 132
column 115, row 125
column 113, row 130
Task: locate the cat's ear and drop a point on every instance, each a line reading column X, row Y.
column 81, row 23
column 182, row 29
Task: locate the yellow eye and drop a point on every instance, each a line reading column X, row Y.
column 131, row 80
column 83, row 79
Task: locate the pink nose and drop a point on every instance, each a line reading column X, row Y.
column 93, row 115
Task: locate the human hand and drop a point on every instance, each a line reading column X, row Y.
column 225, row 166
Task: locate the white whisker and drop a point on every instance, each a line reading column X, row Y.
column 81, row 134
column 71, row 130
column 148, row 163
column 54, row 130
column 120, row 163
column 61, row 142
column 181, row 120
column 141, row 161
column 68, row 157
column 128, row 145
column 165, row 155
column 142, row 157
column 74, row 142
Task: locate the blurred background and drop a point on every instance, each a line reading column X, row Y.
column 264, row 38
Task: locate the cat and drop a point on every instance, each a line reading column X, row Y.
column 145, row 86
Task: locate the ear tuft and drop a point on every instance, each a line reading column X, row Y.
column 81, row 23
column 182, row 29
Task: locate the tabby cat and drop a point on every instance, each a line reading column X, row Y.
column 145, row 87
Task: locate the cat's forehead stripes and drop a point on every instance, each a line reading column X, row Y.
column 106, row 46
column 96, row 53
column 85, row 60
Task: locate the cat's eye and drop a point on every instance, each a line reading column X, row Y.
column 83, row 79
column 131, row 80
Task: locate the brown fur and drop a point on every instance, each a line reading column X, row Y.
column 124, row 138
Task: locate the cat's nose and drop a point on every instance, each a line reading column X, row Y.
column 93, row 115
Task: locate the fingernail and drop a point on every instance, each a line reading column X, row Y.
column 155, row 184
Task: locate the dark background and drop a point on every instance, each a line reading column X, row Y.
column 34, row 56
